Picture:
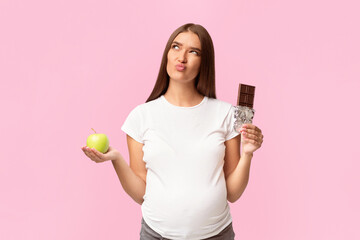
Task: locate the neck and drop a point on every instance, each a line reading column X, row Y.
column 183, row 94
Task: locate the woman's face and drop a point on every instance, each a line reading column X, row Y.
column 185, row 51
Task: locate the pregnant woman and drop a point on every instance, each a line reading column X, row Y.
column 185, row 159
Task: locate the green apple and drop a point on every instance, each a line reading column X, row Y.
column 99, row 141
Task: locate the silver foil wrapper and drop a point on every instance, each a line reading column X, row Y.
column 242, row 114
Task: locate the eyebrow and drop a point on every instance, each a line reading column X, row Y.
column 190, row 47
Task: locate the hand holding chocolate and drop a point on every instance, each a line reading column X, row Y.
column 244, row 111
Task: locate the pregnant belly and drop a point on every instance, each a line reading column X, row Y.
column 190, row 206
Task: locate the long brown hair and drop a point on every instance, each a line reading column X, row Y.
column 205, row 80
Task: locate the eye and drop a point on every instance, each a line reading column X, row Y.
column 173, row 46
column 195, row 52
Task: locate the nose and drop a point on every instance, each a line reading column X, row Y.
column 182, row 56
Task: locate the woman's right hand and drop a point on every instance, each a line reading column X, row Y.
column 96, row 156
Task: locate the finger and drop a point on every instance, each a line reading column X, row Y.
column 259, row 135
column 91, row 155
column 251, row 126
column 95, row 156
column 86, row 152
column 252, row 141
column 260, row 139
column 252, row 136
column 247, row 130
column 257, row 129
column 244, row 137
column 252, row 132
column 99, row 155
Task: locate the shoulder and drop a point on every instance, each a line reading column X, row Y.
column 220, row 105
column 150, row 107
column 145, row 107
column 219, row 102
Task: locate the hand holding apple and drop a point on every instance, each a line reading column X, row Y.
column 97, row 148
column 96, row 156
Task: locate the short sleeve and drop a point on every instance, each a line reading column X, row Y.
column 229, row 123
column 133, row 124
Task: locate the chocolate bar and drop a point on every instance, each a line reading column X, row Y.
column 244, row 111
column 246, row 95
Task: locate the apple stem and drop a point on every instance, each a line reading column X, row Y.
column 93, row 130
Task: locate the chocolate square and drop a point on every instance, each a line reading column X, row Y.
column 246, row 95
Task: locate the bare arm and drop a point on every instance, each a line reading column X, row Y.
column 133, row 185
column 236, row 169
column 133, row 177
column 237, row 181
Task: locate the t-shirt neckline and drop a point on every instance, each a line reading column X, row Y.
column 172, row 105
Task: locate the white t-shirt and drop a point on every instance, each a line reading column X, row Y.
column 184, row 151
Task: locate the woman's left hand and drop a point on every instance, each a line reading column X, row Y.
column 251, row 138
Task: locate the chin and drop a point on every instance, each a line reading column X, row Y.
column 179, row 77
column 181, row 80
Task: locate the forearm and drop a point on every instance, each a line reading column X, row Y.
column 239, row 178
column 133, row 185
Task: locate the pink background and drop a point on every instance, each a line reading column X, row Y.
column 69, row 66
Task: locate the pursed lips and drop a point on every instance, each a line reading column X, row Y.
column 180, row 67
